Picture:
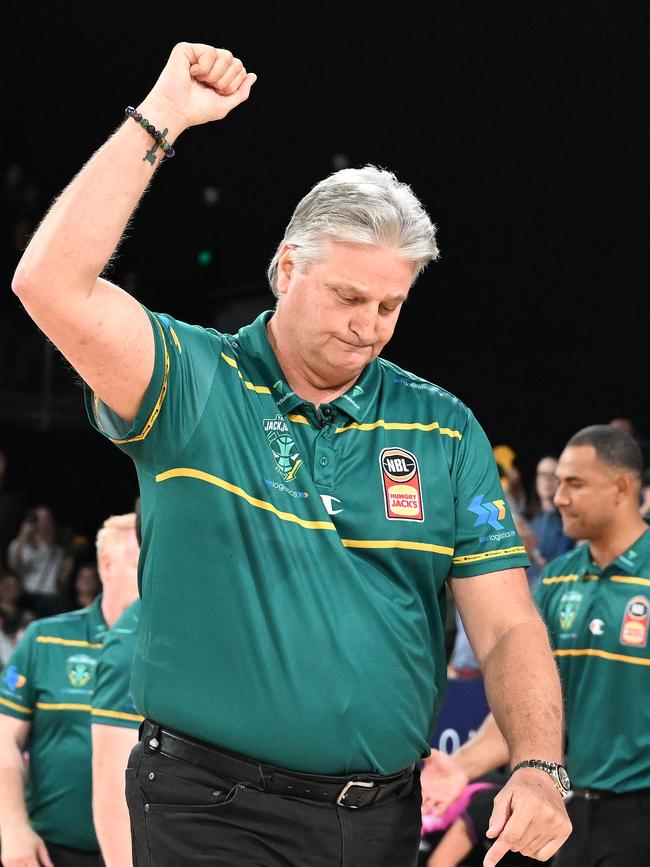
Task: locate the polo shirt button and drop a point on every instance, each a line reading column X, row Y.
column 323, row 461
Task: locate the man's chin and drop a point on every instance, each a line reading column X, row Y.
column 572, row 531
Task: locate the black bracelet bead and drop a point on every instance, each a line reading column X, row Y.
column 156, row 134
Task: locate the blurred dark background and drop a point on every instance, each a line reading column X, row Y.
column 523, row 128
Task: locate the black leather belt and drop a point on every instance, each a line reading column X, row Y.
column 357, row 790
column 596, row 794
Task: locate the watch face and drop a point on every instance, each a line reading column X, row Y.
column 563, row 778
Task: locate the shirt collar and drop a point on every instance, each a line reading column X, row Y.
column 628, row 560
column 253, row 339
column 625, row 562
column 97, row 626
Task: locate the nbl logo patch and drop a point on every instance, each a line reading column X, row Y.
column 400, row 476
column 634, row 631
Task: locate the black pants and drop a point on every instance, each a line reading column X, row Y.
column 62, row 856
column 185, row 816
column 612, row 831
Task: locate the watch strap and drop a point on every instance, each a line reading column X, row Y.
column 555, row 771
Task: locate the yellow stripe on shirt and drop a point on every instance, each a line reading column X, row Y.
column 68, row 642
column 604, row 654
column 560, row 579
column 488, row 555
column 399, row 425
column 630, row 579
column 14, row 706
column 188, row 472
column 116, row 714
column 41, row 705
column 260, row 389
column 396, row 543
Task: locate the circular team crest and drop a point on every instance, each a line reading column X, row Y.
column 80, row 669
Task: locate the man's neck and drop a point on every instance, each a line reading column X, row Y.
column 607, row 548
column 112, row 609
column 304, row 382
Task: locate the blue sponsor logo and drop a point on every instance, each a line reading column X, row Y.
column 488, row 513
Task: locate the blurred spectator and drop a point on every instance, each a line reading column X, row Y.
column 511, row 481
column 546, row 521
column 11, row 595
column 627, row 425
column 12, row 611
column 87, row 586
column 37, row 558
column 10, row 510
column 530, row 541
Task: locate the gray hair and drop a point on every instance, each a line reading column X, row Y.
column 361, row 206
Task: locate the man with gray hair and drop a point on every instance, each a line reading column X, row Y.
column 304, row 503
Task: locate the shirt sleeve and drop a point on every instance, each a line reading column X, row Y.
column 486, row 537
column 112, row 704
column 17, row 686
column 186, row 361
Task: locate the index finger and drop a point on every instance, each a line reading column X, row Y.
column 511, row 839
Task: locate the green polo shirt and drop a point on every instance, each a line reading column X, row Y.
column 48, row 682
column 294, row 561
column 111, row 701
column 598, row 621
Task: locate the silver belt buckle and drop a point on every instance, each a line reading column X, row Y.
column 364, row 784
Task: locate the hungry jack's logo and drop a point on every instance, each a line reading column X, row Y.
column 634, row 631
column 400, row 476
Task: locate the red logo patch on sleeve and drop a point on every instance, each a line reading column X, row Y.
column 634, row 631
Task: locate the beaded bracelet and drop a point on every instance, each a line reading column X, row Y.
column 161, row 141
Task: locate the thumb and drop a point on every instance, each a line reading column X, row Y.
column 240, row 95
column 243, row 91
column 498, row 819
column 43, row 855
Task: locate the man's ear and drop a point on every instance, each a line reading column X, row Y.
column 626, row 485
column 285, row 268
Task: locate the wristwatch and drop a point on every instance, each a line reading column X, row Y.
column 556, row 772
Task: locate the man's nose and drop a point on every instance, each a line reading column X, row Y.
column 560, row 498
column 364, row 323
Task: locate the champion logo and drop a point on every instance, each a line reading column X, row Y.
column 328, row 502
column 597, row 627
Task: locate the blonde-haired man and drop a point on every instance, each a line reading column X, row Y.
column 45, row 695
column 115, row 724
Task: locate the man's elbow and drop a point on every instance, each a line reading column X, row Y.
column 20, row 282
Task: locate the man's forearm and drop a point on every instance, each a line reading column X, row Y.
column 13, row 811
column 111, row 818
column 484, row 752
column 111, row 748
column 83, row 227
column 523, row 689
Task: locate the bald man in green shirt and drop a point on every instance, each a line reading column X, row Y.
column 304, row 503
